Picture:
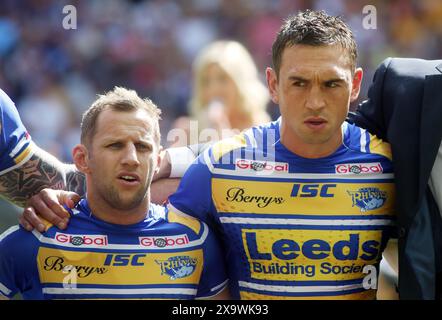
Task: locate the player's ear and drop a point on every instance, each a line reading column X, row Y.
column 356, row 84
column 272, row 83
column 80, row 157
column 160, row 156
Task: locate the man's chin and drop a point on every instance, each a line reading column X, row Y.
column 316, row 139
column 125, row 199
column 128, row 204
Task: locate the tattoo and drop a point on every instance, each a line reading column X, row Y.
column 76, row 181
column 41, row 171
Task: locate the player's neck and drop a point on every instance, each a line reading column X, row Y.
column 310, row 150
column 108, row 213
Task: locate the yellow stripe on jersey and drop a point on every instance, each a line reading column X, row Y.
column 264, row 197
column 46, row 223
column 115, row 268
column 365, row 295
column 185, row 220
column 221, row 148
column 378, row 146
column 19, row 158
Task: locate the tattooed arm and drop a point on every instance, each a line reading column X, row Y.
column 41, row 171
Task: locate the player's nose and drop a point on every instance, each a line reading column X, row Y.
column 130, row 156
column 315, row 99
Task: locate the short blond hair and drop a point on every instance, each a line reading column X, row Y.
column 234, row 59
column 119, row 99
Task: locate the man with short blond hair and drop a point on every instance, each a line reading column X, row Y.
column 118, row 244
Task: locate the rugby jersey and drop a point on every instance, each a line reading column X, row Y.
column 295, row 228
column 15, row 143
column 166, row 256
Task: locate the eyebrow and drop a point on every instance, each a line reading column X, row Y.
column 122, row 140
column 335, row 80
column 298, row 78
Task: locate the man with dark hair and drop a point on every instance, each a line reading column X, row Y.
column 305, row 29
column 117, row 245
column 403, row 108
column 304, row 205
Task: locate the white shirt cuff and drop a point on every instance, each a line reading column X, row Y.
column 180, row 160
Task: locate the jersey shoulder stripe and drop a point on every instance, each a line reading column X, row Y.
column 15, row 142
column 225, row 146
column 360, row 140
column 378, row 146
column 256, row 138
column 176, row 216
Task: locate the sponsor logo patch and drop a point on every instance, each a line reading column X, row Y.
column 261, row 166
column 161, row 242
column 82, row 240
column 282, row 254
column 239, row 195
column 58, row 263
column 359, row 168
column 368, row 198
column 178, row 267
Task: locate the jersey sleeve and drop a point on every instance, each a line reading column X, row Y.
column 214, row 276
column 194, row 194
column 15, row 142
column 180, row 159
column 13, row 262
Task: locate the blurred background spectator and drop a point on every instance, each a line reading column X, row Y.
column 53, row 74
column 228, row 95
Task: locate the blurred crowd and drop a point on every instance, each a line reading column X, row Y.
column 53, row 74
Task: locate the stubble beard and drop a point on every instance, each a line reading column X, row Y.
column 113, row 199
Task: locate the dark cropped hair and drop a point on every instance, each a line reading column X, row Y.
column 314, row 28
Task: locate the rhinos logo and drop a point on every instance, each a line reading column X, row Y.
column 178, row 267
column 368, row 198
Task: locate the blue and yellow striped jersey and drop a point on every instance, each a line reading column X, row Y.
column 15, row 143
column 295, row 228
column 166, row 256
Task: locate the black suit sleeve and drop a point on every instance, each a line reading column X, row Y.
column 370, row 113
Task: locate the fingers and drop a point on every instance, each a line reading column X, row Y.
column 48, row 207
column 69, row 203
column 30, row 220
column 52, row 202
column 24, row 223
column 70, row 199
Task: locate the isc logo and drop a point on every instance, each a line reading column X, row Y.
column 121, row 260
column 311, row 190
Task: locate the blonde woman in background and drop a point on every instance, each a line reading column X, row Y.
column 227, row 96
